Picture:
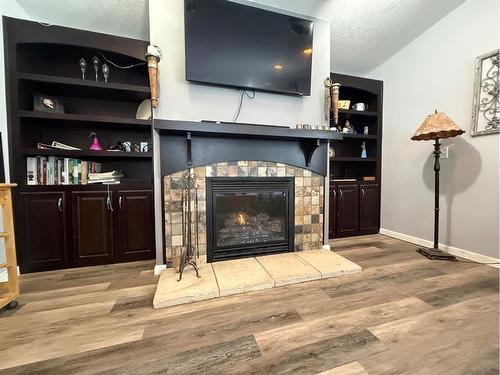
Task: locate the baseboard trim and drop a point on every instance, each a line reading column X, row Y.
column 466, row 254
column 159, row 268
column 326, row 247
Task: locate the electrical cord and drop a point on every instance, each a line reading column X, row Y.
column 250, row 95
column 120, row 66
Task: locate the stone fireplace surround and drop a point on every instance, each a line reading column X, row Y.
column 308, row 205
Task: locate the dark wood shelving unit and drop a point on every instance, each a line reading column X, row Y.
column 78, row 82
column 90, row 224
column 75, row 118
column 77, row 154
column 355, row 205
column 351, row 159
column 360, row 136
column 351, row 112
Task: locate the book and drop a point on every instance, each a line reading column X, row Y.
column 31, row 171
column 105, row 181
column 53, row 170
column 63, row 146
column 85, row 172
column 66, row 180
column 344, row 180
column 112, row 174
column 44, row 171
column 51, row 162
column 43, row 146
column 74, row 163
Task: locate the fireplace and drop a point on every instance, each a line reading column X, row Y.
column 249, row 217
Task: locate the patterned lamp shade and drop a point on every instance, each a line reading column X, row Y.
column 437, row 126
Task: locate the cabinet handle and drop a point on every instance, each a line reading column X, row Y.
column 362, row 193
column 340, row 191
column 120, row 203
column 59, row 205
column 109, row 204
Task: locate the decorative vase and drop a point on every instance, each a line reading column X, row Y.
column 95, row 146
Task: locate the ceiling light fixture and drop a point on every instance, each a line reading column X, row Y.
column 308, row 51
column 278, row 67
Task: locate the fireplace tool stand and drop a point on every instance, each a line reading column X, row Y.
column 190, row 252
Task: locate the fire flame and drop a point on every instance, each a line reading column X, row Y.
column 241, row 219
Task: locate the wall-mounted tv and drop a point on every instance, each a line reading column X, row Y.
column 235, row 45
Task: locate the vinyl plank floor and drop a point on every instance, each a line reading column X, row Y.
column 403, row 314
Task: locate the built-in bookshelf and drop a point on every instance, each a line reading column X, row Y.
column 354, row 196
column 53, row 183
column 347, row 161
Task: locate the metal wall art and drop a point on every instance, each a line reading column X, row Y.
column 486, row 100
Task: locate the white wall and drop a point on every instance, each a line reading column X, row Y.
column 181, row 100
column 436, row 71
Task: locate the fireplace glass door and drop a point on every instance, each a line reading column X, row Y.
column 249, row 217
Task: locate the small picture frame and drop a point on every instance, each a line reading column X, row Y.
column 47, row 103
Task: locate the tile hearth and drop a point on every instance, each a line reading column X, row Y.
column 249, row 274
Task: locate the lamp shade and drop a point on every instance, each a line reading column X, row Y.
column 437, row 126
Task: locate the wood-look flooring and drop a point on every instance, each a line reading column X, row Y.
column 403, row 314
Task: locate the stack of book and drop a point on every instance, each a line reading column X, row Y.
column 108, row 178
column 51, row 170
column 56, row 145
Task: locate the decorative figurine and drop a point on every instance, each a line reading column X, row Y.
column 95, row 62
column 105, row 72
column 363, row 152
column 95, row 146
column 365, row 130
column 348, row 129
column 83, row 66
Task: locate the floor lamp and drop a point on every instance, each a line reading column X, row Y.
column 435, row 127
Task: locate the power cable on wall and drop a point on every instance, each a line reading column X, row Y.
column 250, row 95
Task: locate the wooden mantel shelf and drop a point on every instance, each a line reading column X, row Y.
column 252, row 131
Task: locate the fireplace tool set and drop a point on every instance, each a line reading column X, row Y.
column 190, row 248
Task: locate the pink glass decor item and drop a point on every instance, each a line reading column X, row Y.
column 96, row 146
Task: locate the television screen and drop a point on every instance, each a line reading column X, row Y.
column 236, row 45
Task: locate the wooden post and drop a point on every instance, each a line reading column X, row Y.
column 10, row 289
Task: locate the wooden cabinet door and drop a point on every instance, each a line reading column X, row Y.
column 135, row 235
column 42, row 243
column 92, row 228
column 348, row 209
column 332, row 216
column 369, row 208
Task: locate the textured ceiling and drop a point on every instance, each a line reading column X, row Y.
column 367, row 32
column 129, row 18
column 364, row 32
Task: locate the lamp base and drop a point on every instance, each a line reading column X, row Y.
column 436, row 254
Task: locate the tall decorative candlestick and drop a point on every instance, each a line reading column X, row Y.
column 335, row 103
column 153, row 57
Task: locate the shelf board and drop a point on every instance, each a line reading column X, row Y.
column 86, row 153
column 64, row 86
column 125, row 183
column 360, row 136
column 249, row 131
column 84, row 118
column 350, row 159
column 357, row 113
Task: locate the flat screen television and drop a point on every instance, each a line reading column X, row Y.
column 235, row 45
